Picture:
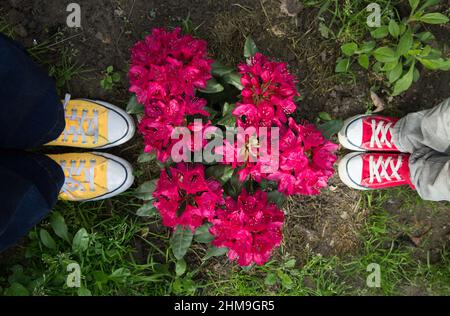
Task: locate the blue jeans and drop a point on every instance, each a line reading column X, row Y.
column 31, row 115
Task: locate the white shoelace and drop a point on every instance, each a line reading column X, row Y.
column 378, row 169
column 92, row 124
column 378, row 129
column 72, row 185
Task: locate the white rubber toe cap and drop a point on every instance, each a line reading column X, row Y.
column 121, row 127
column 351, row 170
column 351, row 134
column 119, row 175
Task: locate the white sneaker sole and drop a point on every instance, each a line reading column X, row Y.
column 127, row 182
column 343, row 140
column 343, row 172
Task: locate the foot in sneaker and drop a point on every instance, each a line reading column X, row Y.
column 368, row 133
column 94, row 125
column 93, row 176
column 370, row 171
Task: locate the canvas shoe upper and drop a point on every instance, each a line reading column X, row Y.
column 93, row 176
column 94, row 125
column 368, row 133
column 369, row 171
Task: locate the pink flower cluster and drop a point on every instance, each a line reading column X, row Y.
column 249, row 227
column 306, row 160
column 268, row 94
column 166, row 68
column 186, row 198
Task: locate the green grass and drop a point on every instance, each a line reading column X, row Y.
column 107, row 262
column 5, row 27
column 401, row 272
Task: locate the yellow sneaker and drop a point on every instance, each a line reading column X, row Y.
column 94, row 124
column 93, row 176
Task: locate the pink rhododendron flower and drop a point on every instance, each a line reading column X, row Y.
column 185, row 197
column 166, row 68
column 167, row 63
column 268, row 93
column 250, row 228
column 306, row 160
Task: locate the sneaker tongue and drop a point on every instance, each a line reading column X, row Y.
column 385, row 170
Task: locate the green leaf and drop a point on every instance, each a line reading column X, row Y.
column 413, row 4
column 416, row 75
column 395, row 73
column 120, row 275
column 219, row 70
column 290, row 264
column 227, row 121
column 436, row 64
column 394, row 29
column 202, row 234
column 212, row 86
column 215, row 252
column 277, row 198
column 425, row 36
column 324, row 116
column 349, row 49
column 324, row 30
column 363, row 61
column 250, row 48
column 134, row 107
column 389, row 66
column 59, row 226
column 286, row 280
column 145, row 190
column 380, row 32
column 228, row 109
column 80, row 242
column 405, row 82
column 342, row 65
column 222, row 173
column 434, row 18
column 271, row 279
column 82, row 291
column 145, row 157
column 109, row 69
column 147, row 210
column 17, row 289
column 331, row 128
column 181, row 241
column 366, row 47
column 180, row 267
column 116, row 77
column 428, row 3
column 46, row 239
column 385, row 55
column 234, row 79
column 405, row 43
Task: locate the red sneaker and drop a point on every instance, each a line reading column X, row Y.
column 368, row 133
column 370, row 171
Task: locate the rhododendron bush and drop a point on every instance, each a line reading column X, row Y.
column 234, row 203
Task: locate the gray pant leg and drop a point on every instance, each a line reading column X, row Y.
column 430, row 173
column 429, row 128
